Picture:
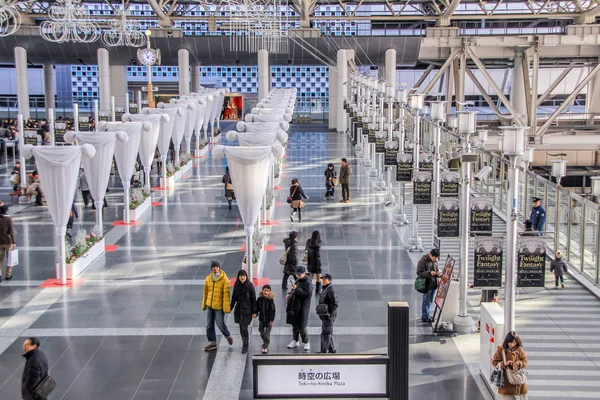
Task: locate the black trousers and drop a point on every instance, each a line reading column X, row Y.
column 327, row 342
column 299, row 211
column 345, row 191
column 264, row 328
column 284, row 281
column 87, row 197
column 244, row 334
column 298, row 332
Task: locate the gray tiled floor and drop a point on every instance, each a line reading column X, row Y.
column 135, row 328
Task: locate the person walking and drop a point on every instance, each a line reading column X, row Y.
column 36, row 369
column 558, row 266
column 229, row 193
column 298, row 309
column 7, row 239
column 538, row 215
column 313, row 250
column 266, row 316
column 330, row 182
column 345, row 181
column 427, row 268
column 15, row 176
column 296, row 196
column 329, row 298
column 243, row 301
column 216, row 302
column 85, row 189
column 511, row 355
column 291, row 260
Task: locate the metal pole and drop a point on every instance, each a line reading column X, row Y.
column 23, row 170
column 126, row 197
column 139, row 102
column 112, row 110
column 62, row 262
column 96, row 114
column 76, row 116
column 436, row 165
column 511, row 245
column 415, row 240
column 51, row 126
column 249, row 253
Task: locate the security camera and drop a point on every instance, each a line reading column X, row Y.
column 483, row 173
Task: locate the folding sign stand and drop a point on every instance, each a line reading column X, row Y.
column 442, row 292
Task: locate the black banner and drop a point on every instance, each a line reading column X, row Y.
column 391, row 153
column 422, row 188
column 481, row 217
column 60, row 128
column 404, row 170
column 487, row 263
column 531, row 262
column 84, row 124
column 372, row 138
column 426, row 162
column 380, row 145
column 449, row 183
column 119, row 115
column 133, row 108
column 448, row 219
column 31, row 137
column 103, row 118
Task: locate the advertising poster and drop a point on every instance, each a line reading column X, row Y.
column 60, row 128
column 31, row 137
column 372, row 137
column 84, row 124
column 380, row 138
column 404, row 168
column 487, row 263
column 133, row 108
column 426, row 162
column 422, row 187
column 531, row 261
column 448, row 218
column 119, row 113
column 391, row 152
column 444, row 283
column 481, row 217
column 449, row 183
column 103, row 118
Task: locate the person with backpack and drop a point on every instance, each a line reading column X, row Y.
column 427, row 268
column 295, row 199
column 266, row 316
column 243, row 303
column 298, row 309
column 559, row 267
column 327, row 312
column 291, row 258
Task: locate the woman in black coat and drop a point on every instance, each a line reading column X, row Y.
column 244, row 301
column 298, row 309
column 313, row 247
column 229, row 194
column 291, row 248
column 297, row 194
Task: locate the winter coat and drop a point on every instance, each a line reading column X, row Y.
column 298, row 304
column 345, row 174
column 266, row 308
column 329, row 174
column 292, row 256
column 558, row 266
column 314, row 257
column 244, row 301
column 297, row 194
column 7, row 230
column 227, row 179
column 216, row 294
column 538, row 218
column 516, row 355
column 424, row 268
column 329, row 296
column 36, row 369
column 83, row 183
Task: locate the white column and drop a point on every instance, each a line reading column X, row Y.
column 22, row 83
column 183, row 61
column 49, row 87
column 104, row 81
column 342, row 88
column 196, row 78
column 263, row 73
column 390, row 66
column 517, row 87
column 118, row 84
column 333, row 95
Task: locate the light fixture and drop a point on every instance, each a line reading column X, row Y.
column 452, row 121
column 467, row 122
column 148, row 32
column 559, row 169
column 416, row 101
column 529, row 155
column 513, row 143
column 256, row 25
column 402, row 96
column 482, row 135
column 438, row 111
column 500, row 145
column 10, row 17
column 69, row 22
column 124, row 32
column 595, row 186
column 381, row 87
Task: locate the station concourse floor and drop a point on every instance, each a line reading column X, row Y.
column 135, row 329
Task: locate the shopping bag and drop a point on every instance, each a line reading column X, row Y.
column 13, row 258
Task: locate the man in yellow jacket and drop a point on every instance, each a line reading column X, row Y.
column 216, row 300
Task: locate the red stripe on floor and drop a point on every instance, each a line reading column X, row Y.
column 123, row 223
column 55, row 283
column 109, row 248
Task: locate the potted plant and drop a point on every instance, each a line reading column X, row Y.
column 83, row 249
column 139, row 203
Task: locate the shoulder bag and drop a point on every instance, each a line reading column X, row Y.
column 291, row 198
column 229, row 185
column 334, row 181
column 283, row 258
column 516, row 378
column 421, row 285
column 45, row 387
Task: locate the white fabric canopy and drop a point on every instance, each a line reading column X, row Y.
column 257, row 139
column 267, row 117
column 179, row 125
column 207, row 112
column 256, row 127
column 166, row 127
column 190, row 122
column 148, row 141
column 58, row 167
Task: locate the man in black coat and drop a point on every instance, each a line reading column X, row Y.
column 298, row 309
column 329, row 297
column 428, row 268
column 36, row 369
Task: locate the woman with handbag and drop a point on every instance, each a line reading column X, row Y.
column 330, row 182
column 295, row 199
column 512, row 360
column 313, row 265
column 291, row 258
column 229, row 193
column 7, row 240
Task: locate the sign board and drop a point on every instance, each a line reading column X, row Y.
column 103, row 118
column 60, row 128
column 531, row 261
column 404, row 168
column 133, row 108
column 422, row 187
column 442, row 290
column 448, row 218
column 487, row 263
column 449, row 183
column 119, row 113
column 426, row 162
column 380, row 138
column 481, row 217
column 84, row 124
column 372, row 138
column 391, row 153
column 31, row 137
column 330, row 376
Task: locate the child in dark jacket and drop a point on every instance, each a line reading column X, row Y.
column 266, row 315
column 559, row 267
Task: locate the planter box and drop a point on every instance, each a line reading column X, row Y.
column 177, row 175
column 76, row 268
column 254, row 269
column 136, row 214
column 276, row 181
column 216, row 139
column 270, row 213
column 202, row 152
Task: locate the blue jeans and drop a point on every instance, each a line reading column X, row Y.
column 217, row 316
column 426, row 305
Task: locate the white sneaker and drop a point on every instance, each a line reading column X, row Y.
column 306, row 346
column 293, row 345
